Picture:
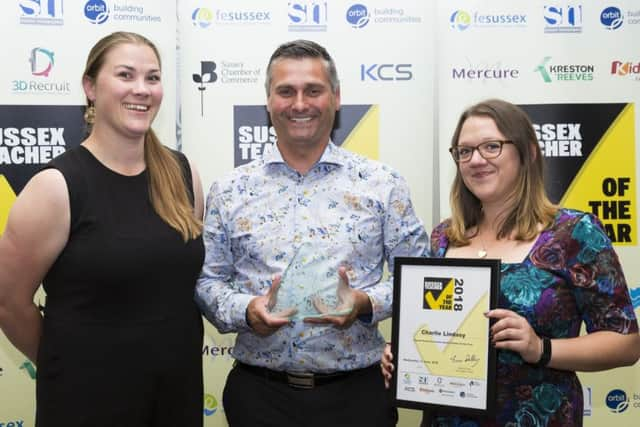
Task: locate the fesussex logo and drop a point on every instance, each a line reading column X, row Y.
column 202, row 17
column 210, row 404
column 460, row 20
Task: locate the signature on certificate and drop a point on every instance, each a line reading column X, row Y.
column 468, row 359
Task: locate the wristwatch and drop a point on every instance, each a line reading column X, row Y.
column 545, row 357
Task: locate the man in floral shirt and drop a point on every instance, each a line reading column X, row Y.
column 321, row 371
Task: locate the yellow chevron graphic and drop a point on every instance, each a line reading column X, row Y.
column 464, row 355
column 365, row 136
column 445, row 295
column 7, row 197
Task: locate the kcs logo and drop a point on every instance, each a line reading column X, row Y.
column 386, row 72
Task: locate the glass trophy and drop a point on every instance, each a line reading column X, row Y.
column 311, row 285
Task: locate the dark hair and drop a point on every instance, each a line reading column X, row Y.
column 299, row 49
column 528, row 205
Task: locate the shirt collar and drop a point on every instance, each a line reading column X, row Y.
column 331, row 156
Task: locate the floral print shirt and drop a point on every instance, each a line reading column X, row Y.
column 571, row 275
column 260, row 213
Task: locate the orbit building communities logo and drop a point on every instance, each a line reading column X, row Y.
column 42, row 62
column 202, row 17
column 98, row 12
column 41, row 12
column 617, row 401
column 551, row 72
column 628, row 69
column 462, row 20
column 359, row 16
column 308, row 16
column 611, row 18
column 562, row 18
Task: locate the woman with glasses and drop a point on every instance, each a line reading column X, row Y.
column 558, row 269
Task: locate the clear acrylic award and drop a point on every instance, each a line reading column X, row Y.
column 312, row 286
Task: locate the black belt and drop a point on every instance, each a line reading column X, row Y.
column 303, row 380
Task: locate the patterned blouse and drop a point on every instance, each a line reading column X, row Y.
column 571, row 275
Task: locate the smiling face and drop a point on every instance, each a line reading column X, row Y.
column 301, row 103
column 492, row 181
column 126, row 92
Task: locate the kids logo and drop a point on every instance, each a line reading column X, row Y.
column 438, row 293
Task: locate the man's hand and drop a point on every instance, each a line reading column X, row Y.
column 350, row 301
column 259, row 317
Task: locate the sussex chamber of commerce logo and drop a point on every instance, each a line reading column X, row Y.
column 617, row 401
column 564, row 72
column 206, row 76
column 202, row 17
column 358, row 16
column 210, row 404
column 41, row 12
column 461, row 20
column 308, row 16
column 562, row 18
column 96, row 11
column 611, row 18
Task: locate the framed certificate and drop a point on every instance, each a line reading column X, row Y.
column 443, row 356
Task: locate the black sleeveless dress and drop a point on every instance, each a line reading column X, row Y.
column 122, row 337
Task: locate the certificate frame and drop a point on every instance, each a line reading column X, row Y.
column 443, row 356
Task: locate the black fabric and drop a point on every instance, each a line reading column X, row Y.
column 122, row 337
column 356, row 399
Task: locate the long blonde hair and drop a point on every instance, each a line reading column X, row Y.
column 528, row 204
column 168, row 190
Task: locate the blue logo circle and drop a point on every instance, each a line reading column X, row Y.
column 617, row 401
column 96, row 11
column 460, row 20
column 202, row 17
column 358, row 15
column 611, row 18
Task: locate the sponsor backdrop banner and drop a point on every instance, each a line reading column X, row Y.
column 45, row 45
column 574, row 68
column 407, row 69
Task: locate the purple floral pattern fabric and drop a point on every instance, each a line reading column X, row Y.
column 571, row 275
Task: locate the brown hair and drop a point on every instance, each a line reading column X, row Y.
column 527, row 205
column 168, row 191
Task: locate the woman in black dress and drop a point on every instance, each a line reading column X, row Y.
column 112, row 228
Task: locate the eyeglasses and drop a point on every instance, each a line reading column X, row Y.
column 488, row 150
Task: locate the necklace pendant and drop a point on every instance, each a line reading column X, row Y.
column 482, row 253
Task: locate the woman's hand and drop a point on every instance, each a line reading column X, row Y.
column 513, row 332
column 386, row 366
